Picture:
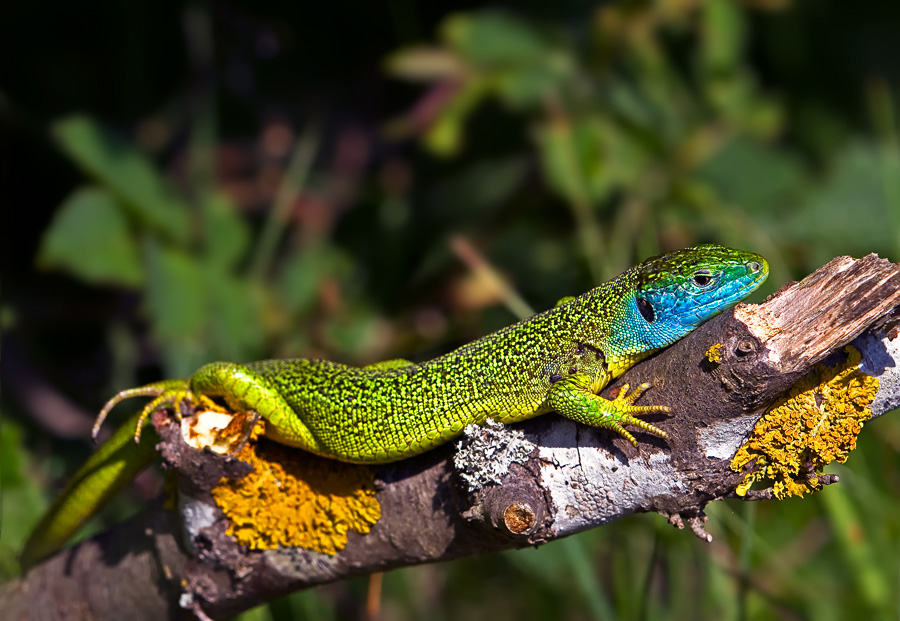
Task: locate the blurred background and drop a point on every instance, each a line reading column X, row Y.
column 190, row 181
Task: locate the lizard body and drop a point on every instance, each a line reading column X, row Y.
column 558, row 360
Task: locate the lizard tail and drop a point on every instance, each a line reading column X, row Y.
column 113, row 465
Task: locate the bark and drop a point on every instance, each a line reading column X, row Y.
column 499, row 487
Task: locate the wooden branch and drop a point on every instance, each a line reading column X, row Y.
column 502, row 487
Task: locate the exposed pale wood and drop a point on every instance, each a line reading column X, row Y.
column 803, row 322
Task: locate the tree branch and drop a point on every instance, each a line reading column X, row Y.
column 501, row 487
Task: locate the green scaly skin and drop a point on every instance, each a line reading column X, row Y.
column 558, row 360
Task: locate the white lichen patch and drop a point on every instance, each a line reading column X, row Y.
column 881, row 359
column 196, row 515
column 591, row 485
column 485, row 452
column 722, row 439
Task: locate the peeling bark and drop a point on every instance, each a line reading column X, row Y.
column 541, row 480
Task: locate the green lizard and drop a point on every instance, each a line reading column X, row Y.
column 558, row 360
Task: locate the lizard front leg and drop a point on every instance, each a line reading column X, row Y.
column 576, row 398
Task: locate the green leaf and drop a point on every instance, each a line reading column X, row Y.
column 425, row 64
column 445, row 136
column 89, row 237
column 723, row 36
column 589, row 158
column 493, row 38
column 125, row 172
column 304, row 272
column 752, row 175
column 559, row 159
column 529, row 85
column 476, row 191
column 354, row 331
column 177, row 307
column 848, row 213
column 227, row 235
column 22, row 500
column 235, row 316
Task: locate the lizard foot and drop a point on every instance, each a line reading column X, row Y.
column 166, row 392
column 624, row 406
column 575, row 397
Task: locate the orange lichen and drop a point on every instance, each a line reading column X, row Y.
column 293, row 498
column 816, row 423
column 714, row 353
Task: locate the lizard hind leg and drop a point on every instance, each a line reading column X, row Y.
column 245, row 390
column 574, row 397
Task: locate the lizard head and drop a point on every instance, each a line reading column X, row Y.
column 677, row 291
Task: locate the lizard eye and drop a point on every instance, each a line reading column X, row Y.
column 702, row 278
column 646, row 310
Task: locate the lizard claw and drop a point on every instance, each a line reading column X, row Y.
column 627, row 400
column 165, row 392
column 624, row 403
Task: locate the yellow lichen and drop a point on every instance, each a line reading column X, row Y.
column 714, row 353
column 816, row 423
column 293, row 498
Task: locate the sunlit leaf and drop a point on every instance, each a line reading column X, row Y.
column 493, row 38
column 445, row 136
column 848, row 211
column 227, row 234
column 723, row 36
column 235, row 315
column 752, row 175
column 176, row 303
column 89, row 237
column 530, row 84
column 22, row 500
column 125, row 172
column 425, row 64
column 589, row 158
column 304, row 272
column 560, row 161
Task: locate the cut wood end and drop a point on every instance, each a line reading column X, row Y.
column 804, row 321
column 760, row 321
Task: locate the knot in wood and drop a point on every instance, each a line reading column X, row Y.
column 746, row 346
column 519, row 518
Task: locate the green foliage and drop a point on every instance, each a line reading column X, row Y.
column 21, row 497
column 851, row 198
column 618, row 130
column 125, row 173
column 90, row 238
column 563, row 149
